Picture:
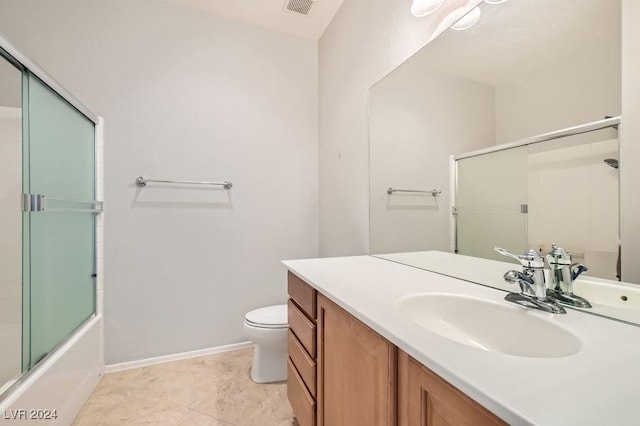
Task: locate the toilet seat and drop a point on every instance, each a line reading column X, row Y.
column 269, row 317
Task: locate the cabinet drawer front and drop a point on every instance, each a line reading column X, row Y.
column 305, row 365
column 303, row 294
column 303, row 404
column 303, row 328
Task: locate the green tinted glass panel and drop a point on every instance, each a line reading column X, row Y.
column 491, row 190
column 62, row 242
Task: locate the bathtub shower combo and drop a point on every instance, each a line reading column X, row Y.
column 48, row 217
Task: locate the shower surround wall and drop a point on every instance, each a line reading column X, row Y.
column 591, row 236
column 186, row 95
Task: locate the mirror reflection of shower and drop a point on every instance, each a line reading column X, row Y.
column 557, row 190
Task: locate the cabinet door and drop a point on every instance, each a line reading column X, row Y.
column 356, row 371
column 425, row 399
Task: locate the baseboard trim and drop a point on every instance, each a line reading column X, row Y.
column 175, row 357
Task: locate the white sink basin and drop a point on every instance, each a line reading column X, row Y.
column 489, row 326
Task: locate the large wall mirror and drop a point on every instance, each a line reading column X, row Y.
column 440, row 124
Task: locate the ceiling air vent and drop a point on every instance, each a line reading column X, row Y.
column 301, row 7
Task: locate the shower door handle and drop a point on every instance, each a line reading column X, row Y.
column 41, row 203
column 32, row 202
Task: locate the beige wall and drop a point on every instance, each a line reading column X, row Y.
column 629, row 143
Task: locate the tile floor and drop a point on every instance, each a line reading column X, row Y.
column 213, row 390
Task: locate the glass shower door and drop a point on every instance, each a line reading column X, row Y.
column 491, row 203
column 60, row 228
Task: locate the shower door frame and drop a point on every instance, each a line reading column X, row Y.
column 9, row 52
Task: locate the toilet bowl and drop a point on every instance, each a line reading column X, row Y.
column 267, row 328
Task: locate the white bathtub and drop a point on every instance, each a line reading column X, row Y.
column 63, row 381
column 10, row 354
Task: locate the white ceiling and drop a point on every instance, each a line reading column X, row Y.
column 270, row 14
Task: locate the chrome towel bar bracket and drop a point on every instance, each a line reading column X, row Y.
column 142, row 182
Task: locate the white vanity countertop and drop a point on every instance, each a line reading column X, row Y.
column 600, row 385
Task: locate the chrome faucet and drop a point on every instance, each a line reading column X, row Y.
column 533, row 289
column 561, row 276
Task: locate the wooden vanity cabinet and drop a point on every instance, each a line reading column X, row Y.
column 301, row 347
column 426, row 399
column 356, row 371
column 342, row 373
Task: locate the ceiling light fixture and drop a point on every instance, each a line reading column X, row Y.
column 468, row 18
column 494, row 1
column 420, row 8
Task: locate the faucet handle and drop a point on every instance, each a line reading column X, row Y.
column 577, row 269
column 525, row 282
column 558, row 256
column 530, row 259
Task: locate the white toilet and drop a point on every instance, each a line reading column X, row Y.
column 267, row 328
